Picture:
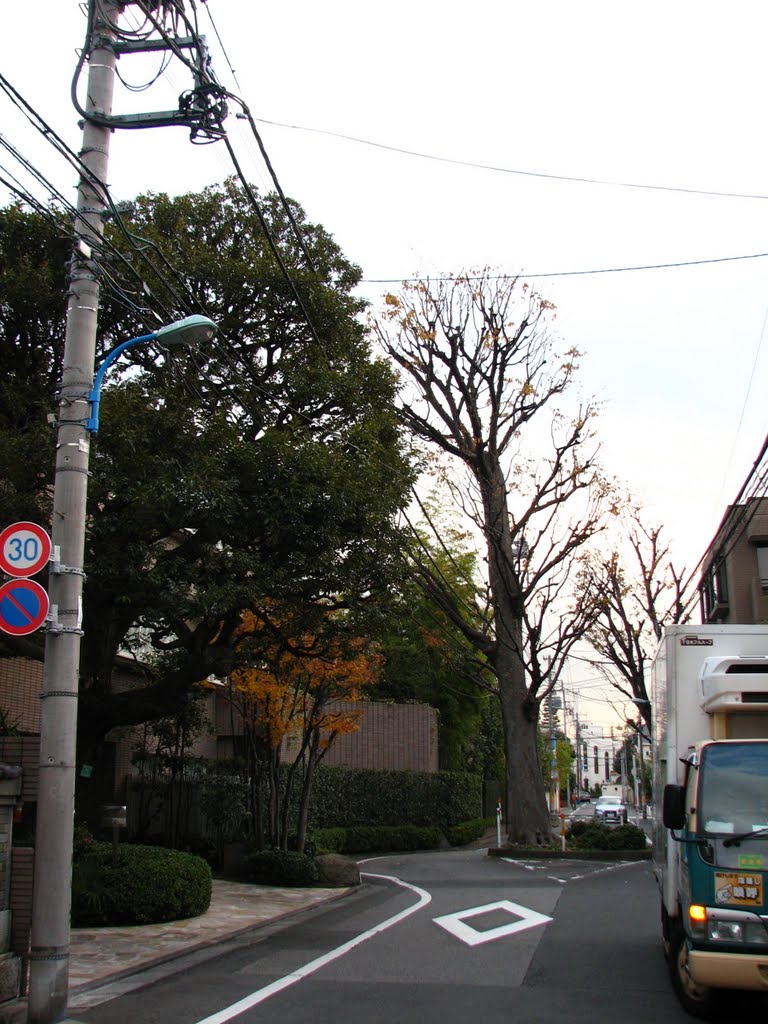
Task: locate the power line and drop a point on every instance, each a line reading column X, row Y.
column 512, row 170
column 568, row 273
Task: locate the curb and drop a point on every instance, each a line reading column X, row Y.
column 197, row 947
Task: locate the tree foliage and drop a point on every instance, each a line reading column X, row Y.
column 427, row 659
column 290, row 685
column 482, row 388
column 637, row 591
column 269, row 465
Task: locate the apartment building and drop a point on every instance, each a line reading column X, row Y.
column 734, row 581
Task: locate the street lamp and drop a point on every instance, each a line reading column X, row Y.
column 190, row 331
column 52, row 889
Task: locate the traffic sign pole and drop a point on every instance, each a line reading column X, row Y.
column 51, row 897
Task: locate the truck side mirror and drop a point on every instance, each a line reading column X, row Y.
column 673, row 806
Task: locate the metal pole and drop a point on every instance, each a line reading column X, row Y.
column 51, row 898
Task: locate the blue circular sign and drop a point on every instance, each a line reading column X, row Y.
column 23, row 607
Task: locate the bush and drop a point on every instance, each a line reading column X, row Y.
column 594, row 835
column 468, row 831
column 281, row 867
column 147, row 885
column 387, row 838
column 347, row 796
column 328, row 840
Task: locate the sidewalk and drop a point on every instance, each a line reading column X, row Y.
column 101, row 954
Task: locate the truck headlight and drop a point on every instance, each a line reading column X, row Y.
column 738, row 928
column 726, row 931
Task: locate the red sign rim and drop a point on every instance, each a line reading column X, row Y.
column 37, row 620
column 42, row 561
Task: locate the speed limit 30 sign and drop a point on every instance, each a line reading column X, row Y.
column 25, row 549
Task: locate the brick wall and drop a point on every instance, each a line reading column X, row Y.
column 22, row 862
column 6, row 824
column 391, row 736
column 21, row 681
column 24, row 751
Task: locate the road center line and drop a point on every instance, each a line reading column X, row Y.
column 314, row 965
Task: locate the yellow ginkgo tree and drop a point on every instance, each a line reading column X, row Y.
column 291, row 689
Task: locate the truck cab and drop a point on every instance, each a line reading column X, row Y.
column 711, row 830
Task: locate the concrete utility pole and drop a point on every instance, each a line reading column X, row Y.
column 49, row 956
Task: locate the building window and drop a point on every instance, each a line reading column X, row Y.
column 607, row 766
column 762, row 565
column 594, row 752
column 584, row 756
column 713, row 591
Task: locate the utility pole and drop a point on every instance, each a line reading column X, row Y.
column 52, row 890
column 203, row 110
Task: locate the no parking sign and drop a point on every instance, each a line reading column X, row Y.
column 23, row 607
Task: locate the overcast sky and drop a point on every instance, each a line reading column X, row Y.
column 670, row 95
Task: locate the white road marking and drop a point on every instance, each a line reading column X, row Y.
column 455, row 923
column 314, row 965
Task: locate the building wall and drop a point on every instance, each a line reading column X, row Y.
column 733, row 589
column 21, row 681
column 593, row 740
column 390, row 736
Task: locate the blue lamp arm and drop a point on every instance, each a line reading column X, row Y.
column 94, row 395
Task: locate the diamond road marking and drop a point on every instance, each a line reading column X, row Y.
column 525, row 918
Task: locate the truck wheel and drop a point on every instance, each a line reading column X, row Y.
column 698, row 1000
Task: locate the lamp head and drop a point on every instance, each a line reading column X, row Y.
column 191, row 331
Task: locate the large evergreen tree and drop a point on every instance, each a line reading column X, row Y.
column 268, row 465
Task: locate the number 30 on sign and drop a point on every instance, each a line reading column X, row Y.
column 25, row 549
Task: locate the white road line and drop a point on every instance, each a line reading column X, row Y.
column 314, row 965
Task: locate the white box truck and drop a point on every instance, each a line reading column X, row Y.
column 709, row 688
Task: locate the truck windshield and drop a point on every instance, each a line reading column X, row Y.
column 733, row 788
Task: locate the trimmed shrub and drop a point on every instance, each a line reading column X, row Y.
column 594, row 835
column 147, row 885
column 281, row 867
column 328, row 840
column 384, row 838
column 468, row 831
column 350, row 796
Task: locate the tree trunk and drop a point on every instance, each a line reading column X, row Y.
column 313, row 758
column 527, row 815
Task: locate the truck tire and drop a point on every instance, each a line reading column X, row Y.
column 698, row 1000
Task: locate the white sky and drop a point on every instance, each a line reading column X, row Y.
column 654, row 93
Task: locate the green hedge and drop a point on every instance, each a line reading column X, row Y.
column 147, row 885
column 377, row 839
column 468, row 831
column 594, row 835
column 344, row 797
column 281, row 867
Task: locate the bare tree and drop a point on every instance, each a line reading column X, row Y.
column 481, row 386
column 638, row 592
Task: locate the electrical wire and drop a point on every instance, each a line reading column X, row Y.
column 570, row 273
column 286, row 274
column 511, row 170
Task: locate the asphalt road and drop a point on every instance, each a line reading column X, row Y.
column 438, row 938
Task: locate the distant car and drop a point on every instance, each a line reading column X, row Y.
column 583, row 798
column 611, row 810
